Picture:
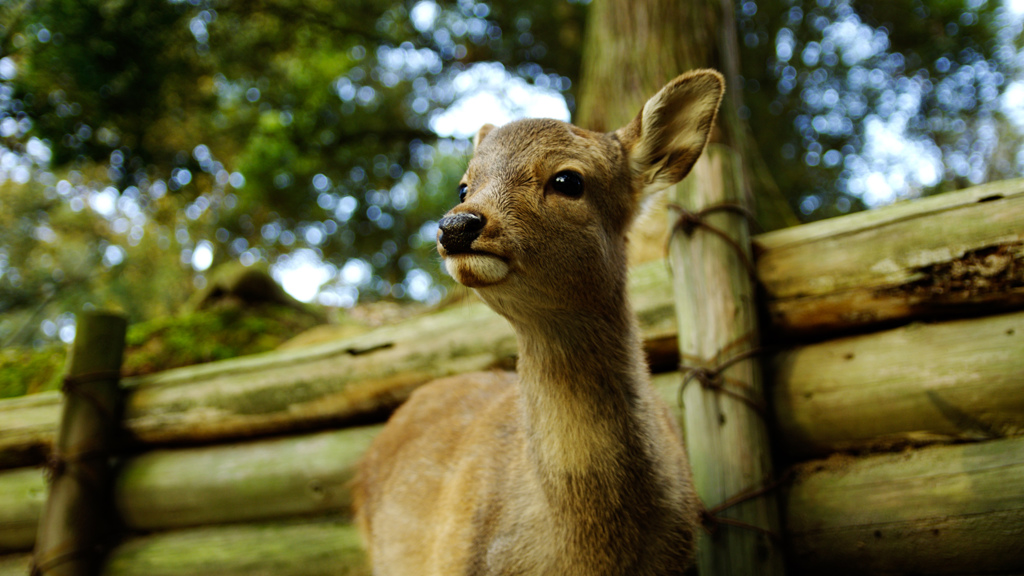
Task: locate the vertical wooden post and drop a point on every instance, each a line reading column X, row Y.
column 726, row 432
column 76, row 519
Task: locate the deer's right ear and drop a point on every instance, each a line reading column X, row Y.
column 667, row 137
column 481, row 134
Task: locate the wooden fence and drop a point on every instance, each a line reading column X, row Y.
column 896, row 394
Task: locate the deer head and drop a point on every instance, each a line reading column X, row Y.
column 545, row 205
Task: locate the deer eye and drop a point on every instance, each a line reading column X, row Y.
column 462, row 193
column 568, row 183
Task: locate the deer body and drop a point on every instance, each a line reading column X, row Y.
column 573, row 467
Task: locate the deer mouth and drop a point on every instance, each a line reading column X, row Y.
column 476, row 269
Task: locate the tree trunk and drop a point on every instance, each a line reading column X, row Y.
column 631, row 50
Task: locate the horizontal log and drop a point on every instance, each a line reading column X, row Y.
column 22, row 496
column 940, row 510
column 291, row 549
column 15, row 564
column 945, row 255
column 318, row 386
column 27, row 428
column 280, row 477
column 959, row 380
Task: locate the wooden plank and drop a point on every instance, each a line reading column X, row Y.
column 952, row 381
column 941, row 510
column 327, row 548
column 942, row 256
column 726, row 438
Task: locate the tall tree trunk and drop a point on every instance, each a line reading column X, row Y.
column 632, row 48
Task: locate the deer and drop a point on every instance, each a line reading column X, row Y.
column 572, row 465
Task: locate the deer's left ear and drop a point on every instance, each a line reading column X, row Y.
column 481, row 134
column 667, row 137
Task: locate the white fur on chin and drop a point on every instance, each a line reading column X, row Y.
column 475, row 270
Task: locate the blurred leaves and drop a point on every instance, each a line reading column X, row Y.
column 143, row 137
column 143, row 143
column 856, row 104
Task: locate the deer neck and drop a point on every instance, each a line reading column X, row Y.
column 581, row 377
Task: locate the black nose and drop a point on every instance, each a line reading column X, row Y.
column 459, row 230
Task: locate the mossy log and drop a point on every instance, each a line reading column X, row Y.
column 291, row 549
column 940, row 510
column 319, row 386
column 958, row 380
column 940, row 256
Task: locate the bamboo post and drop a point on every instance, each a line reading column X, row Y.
column 75, row 520
column 726, row 432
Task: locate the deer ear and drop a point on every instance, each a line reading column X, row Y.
column 667, row 137
column 481, row 134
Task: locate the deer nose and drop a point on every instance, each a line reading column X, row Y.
column 459, row 230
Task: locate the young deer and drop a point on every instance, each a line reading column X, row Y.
column 576, row 467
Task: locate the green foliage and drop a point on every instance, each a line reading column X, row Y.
column 144, row 130
column 28, row 371
column 853, row 104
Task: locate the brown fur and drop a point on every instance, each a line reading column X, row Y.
column 574, row 467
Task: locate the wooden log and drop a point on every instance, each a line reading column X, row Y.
column 956, row 253
column 320, row 386
column 298, row 549
column 27, row 428
column 940, row 510
column 726, row 433
column 22, row 496
column 15, row 564
column 959, row 380
column 245, row 482
column 75, row 519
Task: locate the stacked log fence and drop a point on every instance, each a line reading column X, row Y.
column 894, row 385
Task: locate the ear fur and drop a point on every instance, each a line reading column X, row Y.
column 481, row 134
column 667, row 137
